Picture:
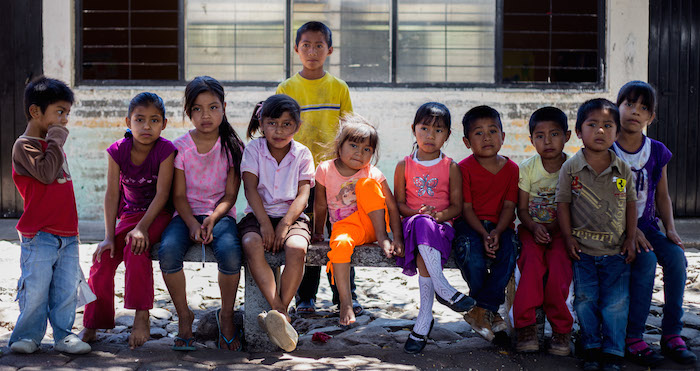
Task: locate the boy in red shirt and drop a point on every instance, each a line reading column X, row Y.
column 48, row 227
column 485, row 244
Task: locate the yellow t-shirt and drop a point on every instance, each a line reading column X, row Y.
column 542, row 187
column 323, row 101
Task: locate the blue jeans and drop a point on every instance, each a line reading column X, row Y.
column 487, row 278
column 601, row 287
column 48, row 286
column 672, row 259
column 176, row 241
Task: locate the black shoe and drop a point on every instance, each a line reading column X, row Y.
column 611, row 362
column 647, row 357
column 458, row 303
column 415, row 343
column 591, row 359
column 678, row 353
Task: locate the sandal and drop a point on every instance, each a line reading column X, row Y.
column 357, row 308
column 415, row 343
column 236, row 335
column 189, row 344
column 306, row 307
column 646, row 357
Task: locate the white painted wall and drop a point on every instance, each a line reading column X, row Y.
column 98, row 115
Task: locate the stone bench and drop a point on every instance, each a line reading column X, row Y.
column 364, row 256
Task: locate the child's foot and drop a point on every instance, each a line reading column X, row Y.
column 497, row 323
column 527, row 339
column 675, row 348
column 72, row 344
column 560, row 345
column 88, row 335
column 479, row 320
column 228, row 330
column 184, row 329
column 347, row 315
column 387, row 248
column 24, row 346
column 141, row 331
column 279, row 330
column 639, row 352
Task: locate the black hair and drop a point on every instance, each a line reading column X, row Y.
column 597, row 104
column 433, row 113
column 356, row 128
column 315, row 27
column 273, row 107
column 549, row 114
column 480, row 112
column 231, row 144
column 145, row 99
column 44, row 91
column 636, row 89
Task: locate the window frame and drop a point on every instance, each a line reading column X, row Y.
column 393, row 44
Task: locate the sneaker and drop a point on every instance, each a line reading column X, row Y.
column 560, row 345
column 497, row 323
column 25, row 346
column 479, row 319
column 527, row 339
column 591, row 360
column 72, row 344
column 676, row 349
column 279, row 330
column 646, row 357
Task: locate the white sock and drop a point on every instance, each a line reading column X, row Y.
column 425, row 313
column 431, row 258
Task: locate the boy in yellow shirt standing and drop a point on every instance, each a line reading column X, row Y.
column 323, row 98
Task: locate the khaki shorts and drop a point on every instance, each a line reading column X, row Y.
column 300, row 227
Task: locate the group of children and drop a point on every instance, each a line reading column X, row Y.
column 596, row 208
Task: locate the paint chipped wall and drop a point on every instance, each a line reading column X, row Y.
column 97, row 118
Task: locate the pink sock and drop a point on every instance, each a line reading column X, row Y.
column 636, row 345
column 674, row 341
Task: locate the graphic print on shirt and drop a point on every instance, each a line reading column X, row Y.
column 543, row 207
column 592, row 210
column 425, row 185
column 347, row 197
column 640, row 175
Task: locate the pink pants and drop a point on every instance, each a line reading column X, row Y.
column 138, row 290
column 534, row 262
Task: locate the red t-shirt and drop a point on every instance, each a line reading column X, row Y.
column 41, row 175
column 486, row 191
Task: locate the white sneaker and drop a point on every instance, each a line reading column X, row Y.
column 24, row 346
column 281, row 331
column 73, row 345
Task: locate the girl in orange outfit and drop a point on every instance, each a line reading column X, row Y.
column 356, row 197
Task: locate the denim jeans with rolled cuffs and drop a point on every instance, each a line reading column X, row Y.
column 601, row 287
column 48, row 286
column 176, row 241
column 672, row 260
column 487, row 277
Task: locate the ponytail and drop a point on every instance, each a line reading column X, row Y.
column 255, row 120
column 273, row 107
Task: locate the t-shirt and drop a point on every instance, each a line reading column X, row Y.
column 647, row 164
column 137, row 184
column 40, row 172
column 340, row 190
column 205, row 175
column 427, row 185
column 486, row 191
column 323, row 101
column 277, row 183
column 598, row 202
column 542, row 187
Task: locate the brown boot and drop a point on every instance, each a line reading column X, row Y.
column 527, row 339
column 560, row 344
column 480, row 320
column 497, row 323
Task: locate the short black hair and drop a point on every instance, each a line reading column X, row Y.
column 315, row 26
column 633, row 90
column 549, row 114
column 44, row 91
column 480, row 112
column 596, row 104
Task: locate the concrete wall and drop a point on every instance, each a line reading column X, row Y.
column 97, row 118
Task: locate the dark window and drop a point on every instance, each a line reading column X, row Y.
column 551, row 41
column 129, row 40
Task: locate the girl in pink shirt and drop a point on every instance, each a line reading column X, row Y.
column 278, row 174
column 428, row 188
column 205, row 187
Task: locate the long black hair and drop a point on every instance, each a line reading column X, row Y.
column 145, row 99
column 273, row 107
column 231, row 144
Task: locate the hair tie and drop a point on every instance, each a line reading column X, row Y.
column 128, row 131
column 258, row 111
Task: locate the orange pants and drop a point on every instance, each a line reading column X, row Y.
column 357, row 229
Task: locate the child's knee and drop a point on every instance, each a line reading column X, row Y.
column 296, row 247
column 342, row 247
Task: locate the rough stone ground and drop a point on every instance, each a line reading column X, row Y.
column 375, row 342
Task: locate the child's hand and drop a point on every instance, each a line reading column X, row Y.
column 541, row 235
column 387, row 247
column 642, row 242
column 572, row 248
column 268, row 235
column 629, row 247
column 398, row 248
column 103, row 246
column 138, row 239
column 674, row 237
column 495, row 240
column 488, row 250
column 196, row 232
column 280, row 234
column 317, row 237
column 429, row 210
column 207, row 229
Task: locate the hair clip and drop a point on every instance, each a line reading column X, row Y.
column 258, row 112
column 128, row 130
